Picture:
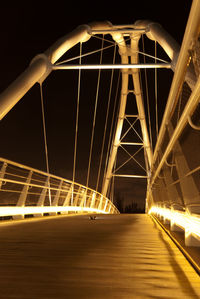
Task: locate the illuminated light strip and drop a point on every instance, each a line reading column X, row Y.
column 110, row 66
column 184, row 220
column 131, row 176
column 119, row 30
column 13, row 211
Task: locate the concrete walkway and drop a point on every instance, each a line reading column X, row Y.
column 114, row 256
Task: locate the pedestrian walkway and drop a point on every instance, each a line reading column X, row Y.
column 113, row 256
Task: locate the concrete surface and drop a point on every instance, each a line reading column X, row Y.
column 113, row 256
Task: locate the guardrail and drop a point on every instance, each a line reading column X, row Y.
column 173, row 192
column 27, row 191
column 180, row 220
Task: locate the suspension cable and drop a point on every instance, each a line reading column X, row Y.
column 77, row 119
column 156, row 92
column 94, row 117
column 84, row 55
column 45, row 139
column 134, row 51
column 106, row 121
column 112, row 125
column 113, row 184
column 147, row 96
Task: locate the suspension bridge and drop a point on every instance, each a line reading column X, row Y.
column 64, row 237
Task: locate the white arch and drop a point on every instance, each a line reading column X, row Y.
column 41, row 66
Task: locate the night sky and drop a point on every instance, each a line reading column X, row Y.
column 29, row 29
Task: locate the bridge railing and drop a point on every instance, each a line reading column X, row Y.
column 179, row 220
column 27, row 191
column 174, row 186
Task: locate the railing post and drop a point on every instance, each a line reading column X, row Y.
column 105, row 205
column 83, row 200
column 42, row 197
column 109, row 208
column 2, row 172
column 165, row 219
column 56, row 198
column 93, row 200
column 77, row 196
column 22, row 198
column 67, row 199
column 190, row 240
column 100, row 203
column 173, row 226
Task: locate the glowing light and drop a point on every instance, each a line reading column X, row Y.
column 12, row 211
column 190, row 223
column 110, row 66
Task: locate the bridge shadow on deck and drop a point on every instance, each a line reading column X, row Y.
column 179, row 272
column 114, row 256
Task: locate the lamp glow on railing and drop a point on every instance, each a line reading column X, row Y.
column 190, row 223
column 12, row 211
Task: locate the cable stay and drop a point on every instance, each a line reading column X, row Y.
column 106, row 121
column 84, row 55
column 45, row 141
column 112, row 127
column 131, row 51
column 60, row 65
column 131, row 119
column 156, row 92
column 135, row 124
column 76, row 129
column 147, row 97
column 94, row 119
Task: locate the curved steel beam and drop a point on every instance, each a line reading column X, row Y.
column 41, row 66
column 156, row 32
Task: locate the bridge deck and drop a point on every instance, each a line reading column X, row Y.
column 114, row 256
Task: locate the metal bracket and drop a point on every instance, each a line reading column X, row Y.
column 192, row 124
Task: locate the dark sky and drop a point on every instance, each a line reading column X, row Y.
column 29, row 29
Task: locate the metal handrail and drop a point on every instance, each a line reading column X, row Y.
column 189, row 223
column 85, row 200
column 183, row 58
column 175, row 132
